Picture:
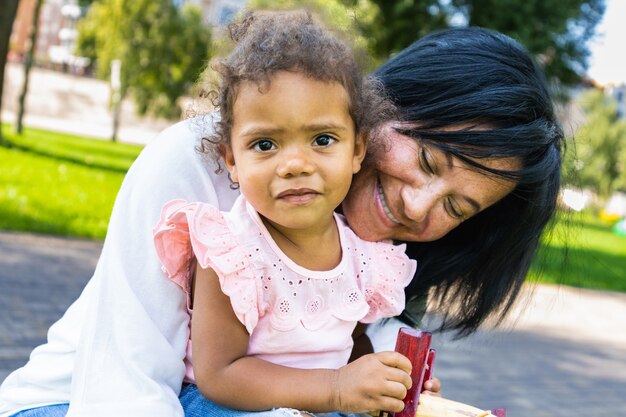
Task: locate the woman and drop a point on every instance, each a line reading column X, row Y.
column 475, row 116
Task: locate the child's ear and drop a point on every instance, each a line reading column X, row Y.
column 360, row 147
column 229, row 161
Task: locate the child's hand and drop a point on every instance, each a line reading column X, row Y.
column 378, row 381
column 432, row 387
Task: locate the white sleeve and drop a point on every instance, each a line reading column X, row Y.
column 129, row 356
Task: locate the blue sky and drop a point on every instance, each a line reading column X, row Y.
column 608, row 60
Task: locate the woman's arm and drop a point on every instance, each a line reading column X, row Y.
column 227, row 376
column 134, row 333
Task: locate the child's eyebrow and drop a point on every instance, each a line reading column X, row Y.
column 325, row 126
column 313, row 127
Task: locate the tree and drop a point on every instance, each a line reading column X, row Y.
column 394, row 25
column 30, row 54
column 555, row 31
column 162, row 49
column 598, row 160
column 8, row 10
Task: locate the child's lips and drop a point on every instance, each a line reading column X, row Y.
column 298, row 195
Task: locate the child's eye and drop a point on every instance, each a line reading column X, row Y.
column 263, row 145
column 324, row 140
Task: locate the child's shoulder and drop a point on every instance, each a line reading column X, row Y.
column 381, row 255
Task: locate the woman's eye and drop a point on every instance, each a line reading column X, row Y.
column 425, row 163
column 263, row 145
column 454, row 210
column 324, row 140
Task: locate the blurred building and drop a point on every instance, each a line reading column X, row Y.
column 56, row 39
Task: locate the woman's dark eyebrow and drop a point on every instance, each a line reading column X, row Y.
column 470, row 200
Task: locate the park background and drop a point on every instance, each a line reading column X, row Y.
column 60, row 174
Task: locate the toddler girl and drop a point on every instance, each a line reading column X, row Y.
column 278, row 284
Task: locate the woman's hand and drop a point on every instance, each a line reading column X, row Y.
column 378, row 381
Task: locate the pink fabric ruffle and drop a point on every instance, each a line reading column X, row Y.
column 198, row 229
column 385, row 290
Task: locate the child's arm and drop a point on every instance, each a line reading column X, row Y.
column 227, row 376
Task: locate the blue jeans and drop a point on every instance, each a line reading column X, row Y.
column 194, row 404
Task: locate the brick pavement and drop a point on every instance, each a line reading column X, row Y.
column 564, row 356
column 39, row 278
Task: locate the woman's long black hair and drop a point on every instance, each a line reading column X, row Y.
column 486, row 83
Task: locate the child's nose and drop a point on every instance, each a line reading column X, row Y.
column 295, row 162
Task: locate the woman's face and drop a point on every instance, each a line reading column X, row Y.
column 413, row 192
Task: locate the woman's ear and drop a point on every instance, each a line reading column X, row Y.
column 229, row 161
column 360, row 147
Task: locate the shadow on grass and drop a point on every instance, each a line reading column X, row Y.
column 62, row 226
column 10, row 143
column 123, row 151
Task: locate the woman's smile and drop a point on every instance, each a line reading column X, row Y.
column 382, row 200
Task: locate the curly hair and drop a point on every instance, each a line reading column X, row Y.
column 269, row 42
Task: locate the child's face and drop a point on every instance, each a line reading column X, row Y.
column 293, row 149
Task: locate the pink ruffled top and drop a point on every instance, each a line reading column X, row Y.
column 295, row 317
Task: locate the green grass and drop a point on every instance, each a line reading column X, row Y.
column 60, row 184
column 94, row 153
column 582, row 251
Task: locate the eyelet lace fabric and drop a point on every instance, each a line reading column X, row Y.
column 269, row 293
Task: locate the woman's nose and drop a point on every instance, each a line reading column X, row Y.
column 418, row 202
column 295, row 162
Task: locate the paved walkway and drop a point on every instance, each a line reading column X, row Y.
column 565, row 356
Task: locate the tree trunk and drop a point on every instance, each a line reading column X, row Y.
column 8, row 10
column 30, row 55
column 116, row 109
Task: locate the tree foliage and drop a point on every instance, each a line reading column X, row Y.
column 162, row 49
column 555, row 31
column 598, row 160
column 394, row 25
